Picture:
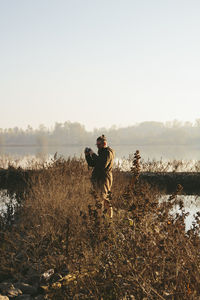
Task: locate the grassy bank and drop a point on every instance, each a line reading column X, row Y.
column 143, row 253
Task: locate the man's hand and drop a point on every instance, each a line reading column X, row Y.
column 86, row 152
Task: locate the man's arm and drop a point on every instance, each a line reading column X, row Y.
column 90, row 161
column 101, row 161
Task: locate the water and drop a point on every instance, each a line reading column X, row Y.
column 191, row 206
column 147, row 151
column 4, row 200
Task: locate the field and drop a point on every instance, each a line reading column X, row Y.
column 54, row 224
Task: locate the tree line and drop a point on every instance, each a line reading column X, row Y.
column 74, row 133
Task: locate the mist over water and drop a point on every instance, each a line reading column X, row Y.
column 154, row 140
column 169, row 152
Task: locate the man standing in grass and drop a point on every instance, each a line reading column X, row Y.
column 102, row 173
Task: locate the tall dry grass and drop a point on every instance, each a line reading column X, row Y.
column 143, row 253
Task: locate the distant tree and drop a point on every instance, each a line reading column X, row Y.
column 74, row 133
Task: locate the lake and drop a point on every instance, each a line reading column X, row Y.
column 170, row 152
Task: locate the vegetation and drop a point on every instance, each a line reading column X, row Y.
column 143, row 253
column 68, row 133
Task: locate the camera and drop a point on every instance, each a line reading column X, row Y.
column 87, row 150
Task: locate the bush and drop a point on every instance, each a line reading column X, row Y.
column 142, row 252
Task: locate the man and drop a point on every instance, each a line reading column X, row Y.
column 102, row 173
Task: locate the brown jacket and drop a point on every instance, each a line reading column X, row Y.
column 102, row 164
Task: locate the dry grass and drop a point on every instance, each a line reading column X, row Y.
column 143, row 253
column 153, row 165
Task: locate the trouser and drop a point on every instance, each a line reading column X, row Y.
column 103, row 189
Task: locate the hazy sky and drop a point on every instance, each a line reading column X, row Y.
column 99, row 62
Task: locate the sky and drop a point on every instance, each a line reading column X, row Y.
column 99, row 62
